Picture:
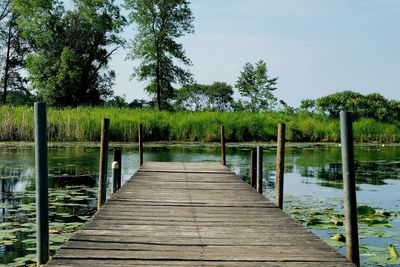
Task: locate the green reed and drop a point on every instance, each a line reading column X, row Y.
column 83, row 124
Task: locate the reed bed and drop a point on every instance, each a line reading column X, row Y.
column 83, row 124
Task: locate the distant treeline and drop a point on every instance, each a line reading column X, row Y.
column 83, row 124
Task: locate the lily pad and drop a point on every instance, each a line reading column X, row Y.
column 30, row 258
column 314, row 221
column 392, row 251
column 365, row 210
column 339, row 237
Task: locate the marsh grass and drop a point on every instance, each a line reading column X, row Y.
column 83, row 124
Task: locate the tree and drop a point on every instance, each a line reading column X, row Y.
column 159, row 23
column 13, row 51
column 256, row 87
column 71, row 49
column 373, row 106
column 191, row 97
column 307, row 105
column 220, row 96
column 216, row 96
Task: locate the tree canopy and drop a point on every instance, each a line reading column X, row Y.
column 159, row 23
column 256, row 87
column 71, row 49
column 373, row 106
column 216, row 96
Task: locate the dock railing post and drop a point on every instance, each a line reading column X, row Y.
column 118, row 158
column 140, row 140
column 259, row 169
column 103, row 163
column 115, row 176
column 253, row 167
column 349, row 188
column 280, row 165
column 42, row 194
column 223, row 156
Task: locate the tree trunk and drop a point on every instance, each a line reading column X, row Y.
column 7, row 66
column 158, row 80
column 158, row 88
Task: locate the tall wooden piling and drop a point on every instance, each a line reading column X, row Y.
column 280, row 165
column 42, row 195
column 223, row 156
column 259, row 169
column 253, row 168
column 349, row 188
column 103, row 163
column 140, row 140
column 118, row 158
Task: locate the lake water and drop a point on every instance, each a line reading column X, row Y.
column 313, row 193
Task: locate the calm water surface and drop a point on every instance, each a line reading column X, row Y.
column 312, row 188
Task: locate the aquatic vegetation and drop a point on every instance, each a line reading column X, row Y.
column 393, row 251
column 18, row 232
column 320, row 217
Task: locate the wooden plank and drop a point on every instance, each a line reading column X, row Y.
column 91, row 262
column 192, row 214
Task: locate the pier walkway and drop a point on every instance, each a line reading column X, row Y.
column 192, row 214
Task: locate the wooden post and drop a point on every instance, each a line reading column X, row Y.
column 42, row 194
column 103, row 163
column 259, row 169
column 253, row 167
column 115, row 178
column 140, row 139
column 280, row 165
column 223, row 156
column 349, row 188
column 118, row 158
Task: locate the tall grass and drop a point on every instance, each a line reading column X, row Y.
column 83, row 124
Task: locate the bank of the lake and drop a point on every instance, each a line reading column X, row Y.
column 83, row 124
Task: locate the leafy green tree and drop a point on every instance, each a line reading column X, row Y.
column 117, row 101
column 332, row 104
column 71, row 49
column 159, row 23
column 141, row 103
column 216, row 96
column 307, row 105
column 13, row 50
column 191, row 97
column 220, row 96
column 256, row 87
column 373, row 106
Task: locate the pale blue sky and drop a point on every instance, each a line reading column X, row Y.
column 315, row 47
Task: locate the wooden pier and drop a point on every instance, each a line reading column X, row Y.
column 192, row 214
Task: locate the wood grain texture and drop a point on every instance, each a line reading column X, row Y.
column 192, row 214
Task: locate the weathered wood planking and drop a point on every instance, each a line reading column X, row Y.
column 192, row 214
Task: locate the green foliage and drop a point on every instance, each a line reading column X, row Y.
column 365, row 210
column 256, row 87
column 196, row 97
column 307, row 105
column 117, row 101
column 373, row 106
column 159, row 24
column 68, row 65
column 83, row 124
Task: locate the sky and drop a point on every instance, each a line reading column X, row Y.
column 315, row 47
